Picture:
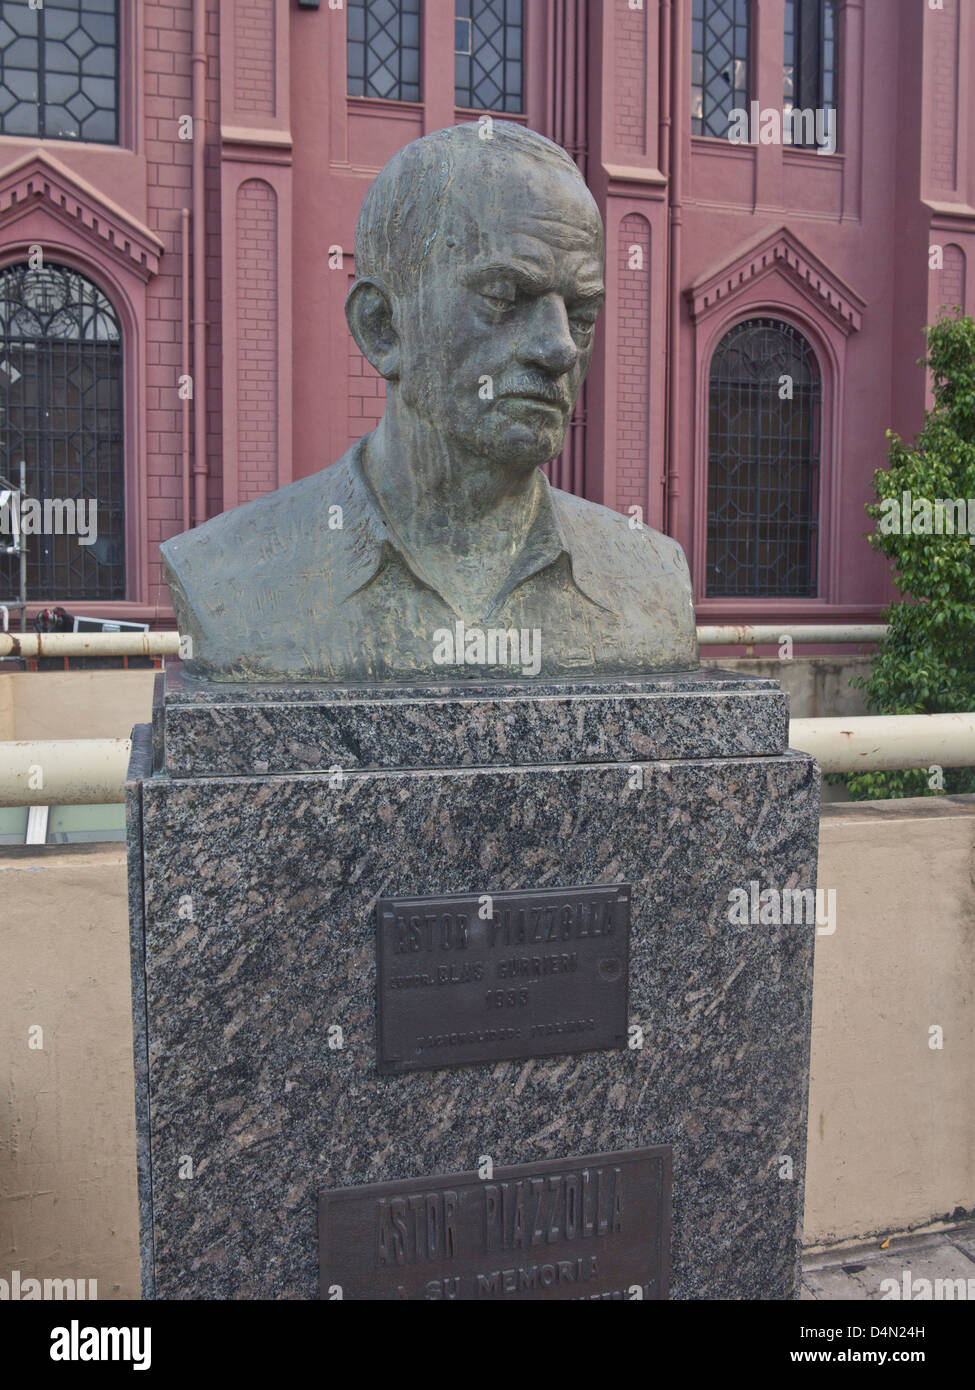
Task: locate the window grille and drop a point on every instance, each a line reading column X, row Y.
column 719, row 64
column 810, row 61
column 763, row 463
column 59, row 70
column 488, row 72
column 383, row 49
column 61, row 412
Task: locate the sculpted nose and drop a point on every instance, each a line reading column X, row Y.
column 548, row 341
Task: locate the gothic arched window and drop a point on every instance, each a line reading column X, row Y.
column 61, row 412
column 763, row 463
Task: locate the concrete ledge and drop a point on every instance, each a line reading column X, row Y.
column 893, row 1045
column 890, row 1143
column 899, row 808
column 67, row 1138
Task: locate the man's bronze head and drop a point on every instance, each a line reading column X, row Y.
column 480, row 278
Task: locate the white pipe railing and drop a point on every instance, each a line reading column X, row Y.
column 887, row 742
column 90, row 772
column 64, row 771
column 32, row 645
column 769, row 635
column 57, row 644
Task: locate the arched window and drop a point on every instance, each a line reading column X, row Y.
column 61, row 404
column 763, row 463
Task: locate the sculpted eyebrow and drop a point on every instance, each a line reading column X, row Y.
column 526, row 278
column 532, row 279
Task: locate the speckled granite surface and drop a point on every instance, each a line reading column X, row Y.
column 185, row 689
column 310, row 730
column 140, row 767
column 259, row 895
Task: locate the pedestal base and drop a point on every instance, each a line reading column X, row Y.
column 254, row 944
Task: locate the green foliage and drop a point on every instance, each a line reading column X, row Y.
column 927, row 664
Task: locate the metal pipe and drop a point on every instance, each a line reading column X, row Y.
column 887, row 742
column 34, row 644
column 31, row 645
column 91, row 772
column 678, row 107
column 184, row 223
column 64, row 772
column 579, row 40
column 799, row 632
column 23, row 554
column 199, row 61
column 663, row 142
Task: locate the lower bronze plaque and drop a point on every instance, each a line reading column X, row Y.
column 485, row 977
column 595, row 1227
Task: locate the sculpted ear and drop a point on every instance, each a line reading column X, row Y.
column 369, row 311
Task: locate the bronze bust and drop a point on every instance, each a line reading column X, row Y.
column 436, row 549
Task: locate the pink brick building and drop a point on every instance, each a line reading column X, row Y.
column 179, row 183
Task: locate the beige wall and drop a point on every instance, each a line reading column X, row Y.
column 890, row 1136
column 105, row 704
column 7, row 706
column 67, row 1132
column 74, row 704
column 818, row 686
column 891, row 1119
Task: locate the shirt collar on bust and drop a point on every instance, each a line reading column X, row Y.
column 368, row 541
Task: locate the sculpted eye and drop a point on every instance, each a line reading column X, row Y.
column 498, row 295
column 583, row 319
column 496, row 301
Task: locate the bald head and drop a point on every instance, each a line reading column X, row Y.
column 403, row 212
column 480, row 279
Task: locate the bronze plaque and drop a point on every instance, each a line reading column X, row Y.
column 594, row 1227
column 484, row 977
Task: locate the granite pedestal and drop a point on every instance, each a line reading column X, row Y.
column 255, row 870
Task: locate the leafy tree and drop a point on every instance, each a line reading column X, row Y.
column 927, row 663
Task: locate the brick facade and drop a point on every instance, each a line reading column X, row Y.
column 288, row 157
column 256, row 339
column 633, row 357
column 166, row 98
column 630, row 77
